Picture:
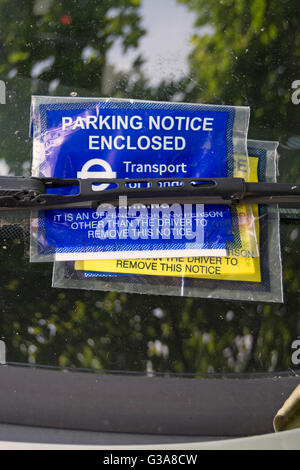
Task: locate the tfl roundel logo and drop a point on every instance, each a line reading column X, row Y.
column 105, row 171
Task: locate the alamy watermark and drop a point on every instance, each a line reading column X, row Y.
column 2, row 92
column 157, row 221
column 296, row 93
column 2, row 352
column 296, row 352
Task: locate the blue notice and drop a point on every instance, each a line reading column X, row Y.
column 132, row 139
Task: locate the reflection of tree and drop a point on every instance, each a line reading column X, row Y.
column 248, row 54
column 248, row 57
column 69, row 42
column 56, row 47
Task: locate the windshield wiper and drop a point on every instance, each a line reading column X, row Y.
column 20, row 193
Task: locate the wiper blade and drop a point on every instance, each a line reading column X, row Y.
column 20, row 193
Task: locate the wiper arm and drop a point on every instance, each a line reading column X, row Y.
column 19, row 193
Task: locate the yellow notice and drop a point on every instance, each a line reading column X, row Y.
column 239, row 265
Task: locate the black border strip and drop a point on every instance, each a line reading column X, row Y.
column 141, row 405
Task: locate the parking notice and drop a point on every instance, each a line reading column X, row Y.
column 84, row 138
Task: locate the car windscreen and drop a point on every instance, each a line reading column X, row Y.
column 223, row 53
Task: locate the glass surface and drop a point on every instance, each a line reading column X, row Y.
column 220, row 52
